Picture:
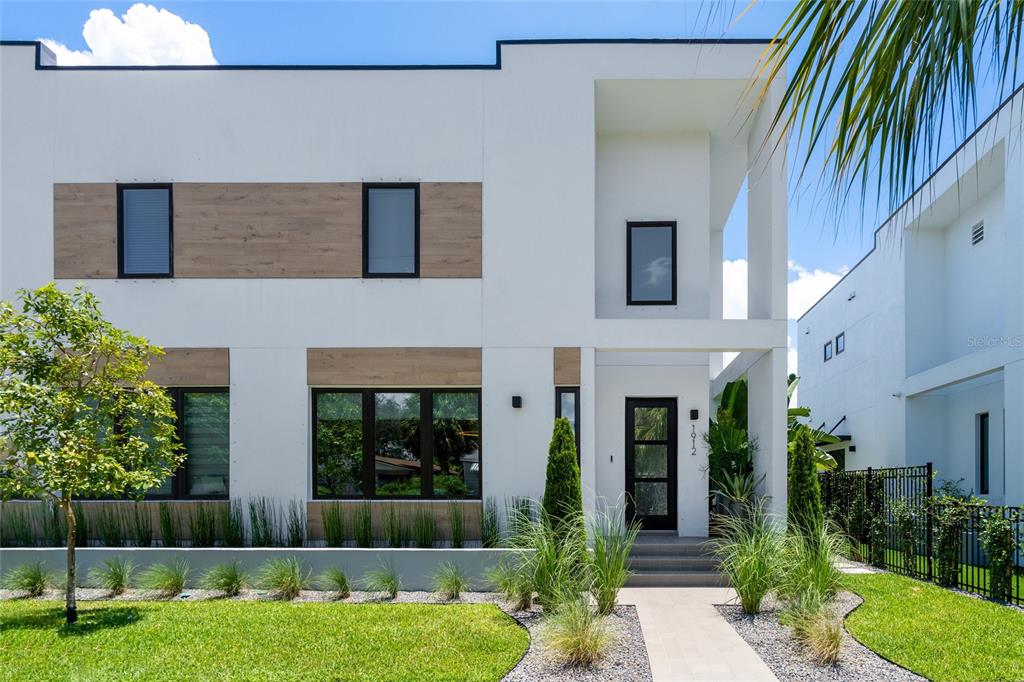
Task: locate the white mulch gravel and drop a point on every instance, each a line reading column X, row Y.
column 625, row 660
column 776, row 645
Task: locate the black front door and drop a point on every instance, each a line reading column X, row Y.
column 651, row 429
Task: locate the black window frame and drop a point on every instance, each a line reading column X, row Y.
column 984, row 439
column 121, row 187
column 828, row 350
column 367, row 187
column 369, row 487
column 629, row 260
column 179, row 480
column 575, row 390
column 840, row 343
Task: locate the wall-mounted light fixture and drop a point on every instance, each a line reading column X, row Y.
column 853, row 295
column 517, row 401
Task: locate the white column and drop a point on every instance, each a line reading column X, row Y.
column 588, row 430
column 1013, row 424
column 766, row 421
column 715, row 313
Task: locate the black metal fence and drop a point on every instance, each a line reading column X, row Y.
column 894, row 521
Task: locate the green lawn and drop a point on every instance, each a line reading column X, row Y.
column 935, row 632
column 231, row 640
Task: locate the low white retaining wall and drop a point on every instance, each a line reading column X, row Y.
column 416, row 567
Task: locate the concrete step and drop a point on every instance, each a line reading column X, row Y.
column 647, row 545
column 668, row 562
column 677, row 579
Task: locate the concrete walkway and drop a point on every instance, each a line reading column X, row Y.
column 688, row 640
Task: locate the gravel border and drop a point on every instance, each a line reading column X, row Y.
column 625, row 661
column 777, row 647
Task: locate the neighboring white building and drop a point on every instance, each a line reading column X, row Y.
column 917, row 354
column 330, row 253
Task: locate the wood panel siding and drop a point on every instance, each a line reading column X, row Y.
column 268, row 230
column 191, row 367
column 567, row 366
column 440, row 510
column 393, row 366
column 450, row 229
column 85, row 230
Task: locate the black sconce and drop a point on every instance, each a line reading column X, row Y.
column 694, row 415
column 517, row 401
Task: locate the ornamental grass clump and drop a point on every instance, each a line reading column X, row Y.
column 513, row 585
column 166, row 578
column 170, row 531
column 362, row 525
column 296, row 523
column 424, row 528
column 114, row 575
column 609, row 560
column 577, row 635
column 490, row 534
column 450, row 581
column 263, row 524
column 551, row 559
column 750, row 552
column 230, row 579
column 394, row 528
column 336, row 580
column 141, row 525
column 31, row 578
column 457, row 524
column 333, row 517
column 202, row 525
column 110, row 526
column 821, row 631
column 232, row 524
column 384, row 579
column 285, row 577
column 809, row 564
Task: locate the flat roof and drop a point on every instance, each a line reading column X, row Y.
column 496, row 65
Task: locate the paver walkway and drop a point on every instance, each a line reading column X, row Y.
column 687, row 639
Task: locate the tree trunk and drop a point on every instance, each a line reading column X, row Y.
column 71, row 608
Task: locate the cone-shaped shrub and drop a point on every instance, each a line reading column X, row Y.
column 804, row 504
column 563, row 498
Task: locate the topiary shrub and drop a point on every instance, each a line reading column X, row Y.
column 563, row 497
column 804, row 504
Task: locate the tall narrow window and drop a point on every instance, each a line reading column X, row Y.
column 651, row 263
column 391, row 230
column 456, row 430
column 338, row 422
column 396, row 434
column 983, row 457
column 144, row 230
column 840, row 343
column 203, row 427
column 828, row 351
column 567, row 404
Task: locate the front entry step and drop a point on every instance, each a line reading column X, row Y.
column 663, row 559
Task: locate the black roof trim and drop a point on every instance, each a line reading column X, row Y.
column 390, row 67
column 960, row 147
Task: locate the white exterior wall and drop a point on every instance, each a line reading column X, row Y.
column 526, row 131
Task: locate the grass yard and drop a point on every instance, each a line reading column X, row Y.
column 940, row 634
column 228, row 640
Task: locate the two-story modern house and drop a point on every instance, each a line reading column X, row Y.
column 917, row 355
column 385, row 282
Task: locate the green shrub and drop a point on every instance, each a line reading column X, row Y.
column 232, row 524
column 513, row 584
column 166, row 578
column 457, row 524
column 949, row 514
column 296, row 523
column 230, row 579
column 32, row 578
column 904, row 522
column 394, row 529
column 141, row 525
column 613, row 541
column 263, row 522
column 285, row 577
column 450, row 581
column 563, row 497
column 333, row 517
column 552, row 560
column 114, row 575
column 109, row 526
column 490, row 535
column 996, row 537
column 577, row 635
column 170, row 533
column 750, row 553
column 384, row 579
column 804, row 502
column 336, row 580
column 202, row 525
column 424, row 528
column 362, row 525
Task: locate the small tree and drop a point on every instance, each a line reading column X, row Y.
column 78, row 417
column 563, row 498
column 804, row 505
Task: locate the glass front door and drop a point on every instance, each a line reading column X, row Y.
column 651, row 430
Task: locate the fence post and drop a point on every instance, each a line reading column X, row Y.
column 928, row 518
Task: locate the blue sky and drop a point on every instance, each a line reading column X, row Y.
column 465, row 32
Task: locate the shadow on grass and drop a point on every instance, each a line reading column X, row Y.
column 89, row 620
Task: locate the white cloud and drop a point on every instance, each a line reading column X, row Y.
column 809, row 286
column 144, row 35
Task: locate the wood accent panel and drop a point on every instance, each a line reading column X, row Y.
column 567, row 366
column 451, row 229
column 268, row 230
column 393, row 366
column 191, row 367
column 85, row 230
column 439, row 509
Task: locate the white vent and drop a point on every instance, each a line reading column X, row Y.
column 977, row 233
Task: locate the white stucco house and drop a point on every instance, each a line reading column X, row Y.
column 917, row 354
column 344, row 261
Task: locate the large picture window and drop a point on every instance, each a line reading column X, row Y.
column 396, row 443
column 144, row 227
column 651, row 263
column 203, row 429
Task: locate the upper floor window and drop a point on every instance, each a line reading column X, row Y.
column 840, row 343
column 144, row 229
column 391, row 230
column 828, row 351
column 651, row 263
